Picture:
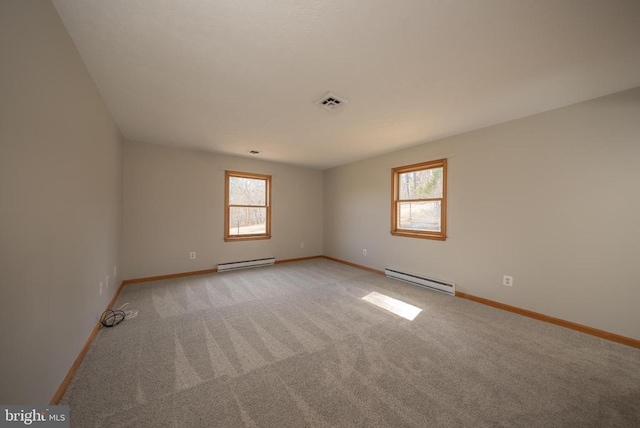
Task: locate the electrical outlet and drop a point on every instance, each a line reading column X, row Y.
column 101, row 288
column 302, row 245
column 115, row 271
column 192, row 255
column 107, row 281
column 364, row 252
column 507, row 280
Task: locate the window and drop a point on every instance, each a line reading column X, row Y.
column 419, row 200
column 247, row 212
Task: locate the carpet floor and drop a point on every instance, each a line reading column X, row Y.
column 295, row 345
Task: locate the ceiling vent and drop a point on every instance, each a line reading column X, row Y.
column 331, row 102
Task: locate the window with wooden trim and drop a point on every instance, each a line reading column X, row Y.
column 247, row 212
column 419, row 200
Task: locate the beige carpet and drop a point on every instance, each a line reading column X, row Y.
column 295, row 345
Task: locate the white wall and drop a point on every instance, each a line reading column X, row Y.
column 174, row 204
column 60, row 202
column 551, row 199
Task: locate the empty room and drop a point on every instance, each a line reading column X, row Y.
column 420, row 213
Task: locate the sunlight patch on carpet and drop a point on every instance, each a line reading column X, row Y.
column 398, row 307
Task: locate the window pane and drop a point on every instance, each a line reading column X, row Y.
column 424, row 216
column 426, row 183
column 247, row 221
column 247, row 191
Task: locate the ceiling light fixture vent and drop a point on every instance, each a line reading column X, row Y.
column 331, row 102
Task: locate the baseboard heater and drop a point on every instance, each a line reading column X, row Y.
column 224, row 267
column 433, row 284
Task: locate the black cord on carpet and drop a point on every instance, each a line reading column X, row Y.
column 112, row 318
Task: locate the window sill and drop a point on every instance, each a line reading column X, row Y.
column 421, row 235
column 246, row 238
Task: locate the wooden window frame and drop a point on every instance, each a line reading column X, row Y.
column 227, row 207
column 395, row 201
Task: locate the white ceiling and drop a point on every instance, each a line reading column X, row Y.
column 237, row 75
